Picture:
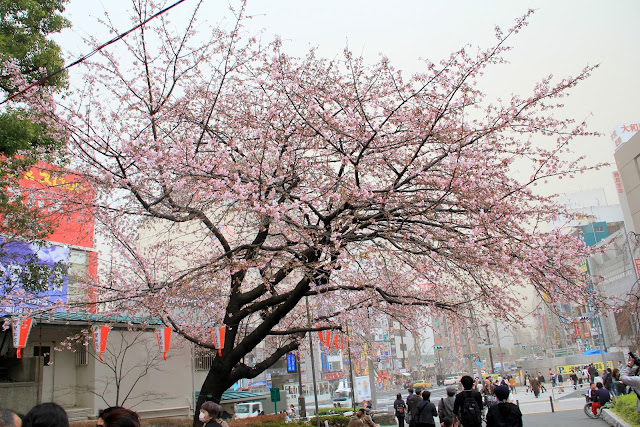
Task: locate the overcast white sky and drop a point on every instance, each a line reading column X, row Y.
column 563, row 36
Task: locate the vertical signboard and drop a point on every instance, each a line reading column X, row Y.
column 291, row 363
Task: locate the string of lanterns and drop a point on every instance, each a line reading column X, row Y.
column 21, row 327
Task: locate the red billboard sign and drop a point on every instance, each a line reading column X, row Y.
column 60, row 194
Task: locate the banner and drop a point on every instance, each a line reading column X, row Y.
column 21, row 329
column 100, row 334
column 566, row 369
column 40, row 269
column 218, row 334
column 362, row 389
column 163, row 335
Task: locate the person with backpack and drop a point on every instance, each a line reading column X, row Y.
column 445, row 406
column 400, row 408
column 504, row 413
column 467, row 406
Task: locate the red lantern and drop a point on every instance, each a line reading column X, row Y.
column 163, row 335
column 336, row 341
column 217, row 335
column 325, row 337
column 21, row 329
column 100, row 334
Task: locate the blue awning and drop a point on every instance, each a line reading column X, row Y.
column 592, row 352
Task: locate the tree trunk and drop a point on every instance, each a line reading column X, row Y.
column 212, row 388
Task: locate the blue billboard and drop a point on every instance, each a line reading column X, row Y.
column 291, row 363
column 32, row 275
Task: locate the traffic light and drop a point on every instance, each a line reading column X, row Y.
column 437, row 347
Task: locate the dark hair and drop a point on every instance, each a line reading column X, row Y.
column 399, row 396
column 8, row 418
column 410, row 390
column 426, row 395
column 467, row 382
column 212, row 408
column 46, row 415
column 104, row 411
column 447, row 422
column 599, row 385
column 120, row 417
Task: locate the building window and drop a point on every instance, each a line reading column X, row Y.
column 599, row 229
column 637, row 159
column 81, row 355
column 44, row 351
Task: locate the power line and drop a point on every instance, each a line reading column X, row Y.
column 102, row 46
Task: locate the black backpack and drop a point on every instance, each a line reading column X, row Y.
column 400, row 408
column 471, row 414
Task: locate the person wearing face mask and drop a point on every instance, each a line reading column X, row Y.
column 209, row 413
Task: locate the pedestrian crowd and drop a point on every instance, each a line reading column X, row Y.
column 466, row 408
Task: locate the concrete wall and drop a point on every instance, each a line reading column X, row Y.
column 162, row 388
column 19, row 396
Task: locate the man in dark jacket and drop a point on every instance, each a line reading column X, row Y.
column 468, row 413
column 413, row 403
column 504, row 413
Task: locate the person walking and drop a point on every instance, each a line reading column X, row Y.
column 400, row 408
column 445, row 406
column 407, row 417
column 413, row 402
column 426, row 411
column 541, row 381
column 503, row 413
column 467, row 406
column 574, row 379
column 535, row 386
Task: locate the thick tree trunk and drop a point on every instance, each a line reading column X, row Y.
column 216, row 383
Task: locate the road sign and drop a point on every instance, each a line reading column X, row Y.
column 275, row 394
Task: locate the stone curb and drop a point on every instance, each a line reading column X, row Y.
column 612, row 419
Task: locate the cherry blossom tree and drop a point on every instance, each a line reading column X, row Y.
column 235, row 183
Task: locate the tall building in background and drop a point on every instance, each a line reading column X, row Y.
column 627, row 154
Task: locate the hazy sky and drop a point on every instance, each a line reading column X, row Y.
column 563, row 36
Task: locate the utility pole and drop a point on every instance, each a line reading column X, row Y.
column 302, row 407
column 353, row 386
column 403, row 348
column 313, row 364
column 486, row 327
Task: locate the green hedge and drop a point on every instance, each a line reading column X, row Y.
column 333, row 411
column 625, row 408
column 334, row 420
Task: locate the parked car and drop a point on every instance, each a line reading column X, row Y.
column 247, row 409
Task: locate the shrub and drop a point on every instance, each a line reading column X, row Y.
column 333, row 411
column 333, row 420
column 260, row 420
column 625, row 408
